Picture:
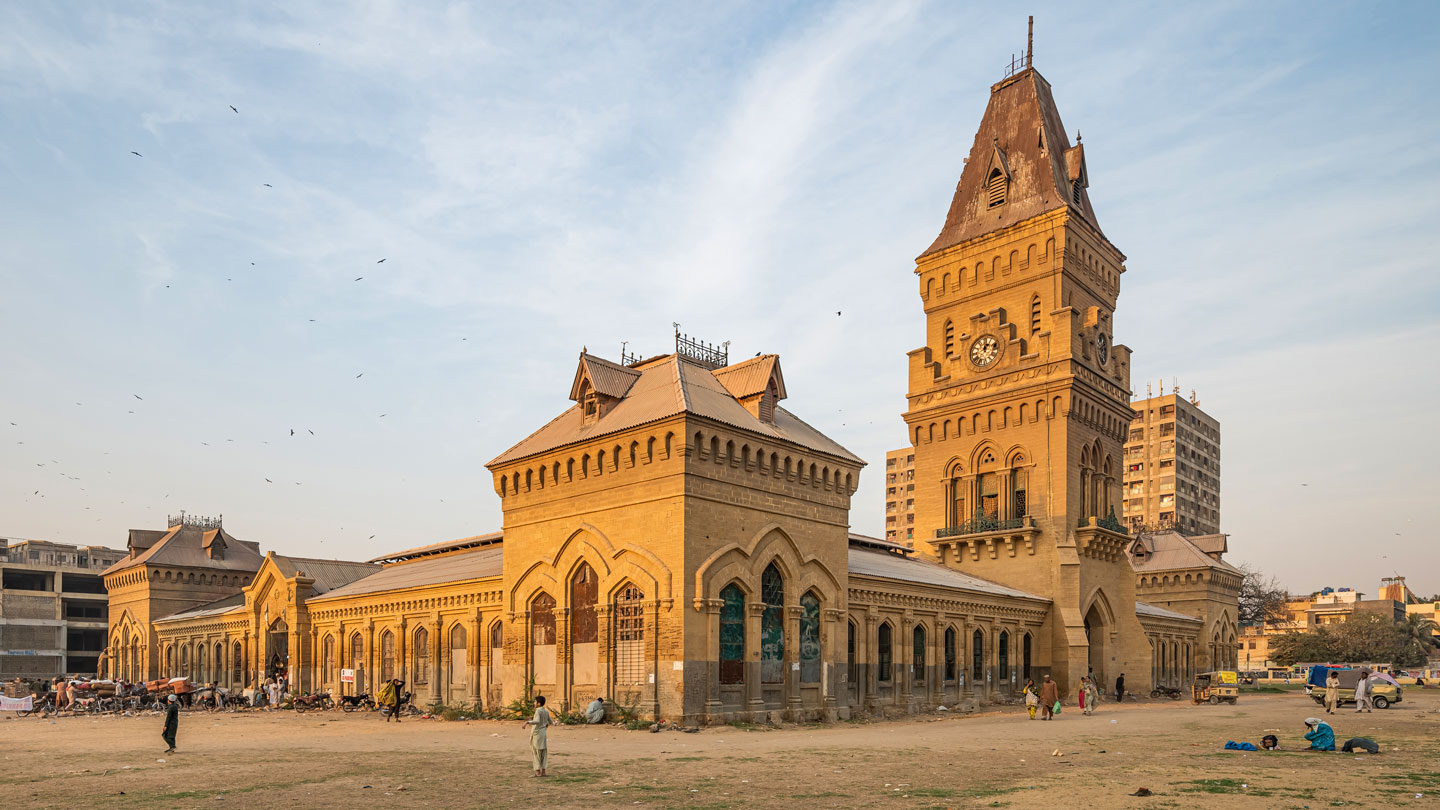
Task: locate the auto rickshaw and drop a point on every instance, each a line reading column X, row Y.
column 1215, row 688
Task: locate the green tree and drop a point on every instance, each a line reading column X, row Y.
column 1293, row 648
column 1419, row 633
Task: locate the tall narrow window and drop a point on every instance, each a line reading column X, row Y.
column 852, row 670
column 772, row 626
column 949, row 653
column 327, row 659
column 357, row 651
column 497, row 652
column 1018, row 482
column 202, row 664
column 1004, row 655
column 387, row 655
column 1034, row 315
column 422, row 656
column 989, row 492
column 1025, row 658
column 809, row 638
column 584, row 630
column 917, row 654
column 957, row 495
column 458, row 649
column 977, row 656
column 237, row 671
column 883, row 657
column 949, row 338
column 995, row 188
column 732, row 635
column 630, row 636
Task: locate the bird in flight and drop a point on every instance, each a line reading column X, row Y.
column 312, row 433
column 136, row 154
column 267, row 185
column 357, row 278
column 837, row 312
column 361, row 374
column 292, row 431
column 232, row 109
column 382, row 261
column 137, row 396
column 268, row 481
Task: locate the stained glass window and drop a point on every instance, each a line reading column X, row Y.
column 732, row 635
column 772, row 626
column 809, row 638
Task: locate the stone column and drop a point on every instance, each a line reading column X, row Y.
column 563, row 656
column 714, row 707
column 792, row 661
column 475, row 644
column 834, row 659
column 905, row 645
column 872, row 659
column 755, row 698
column 438, row 644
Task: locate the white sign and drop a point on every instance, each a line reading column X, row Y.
column 679, row 666
column 347, row 676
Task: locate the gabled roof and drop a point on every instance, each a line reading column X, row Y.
column 607, row 378
column 478, row 563
column 1170, row 551
column 185, row 546
column 1022, row 129
column 886, row 565
column 328, row 574
column 751, row 377
column 669, row 386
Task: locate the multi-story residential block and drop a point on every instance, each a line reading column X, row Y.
column 1172, row 467
column 900, row 496
column 52, row 608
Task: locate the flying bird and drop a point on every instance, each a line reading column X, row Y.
column 267, row 185
column 268, row 481
column 357, row 278
column 232, row 109
column 312, row 433
column 361, row 374
column 137, row 396
column 136, row 154
column 837, row 312
column 382, row 416
column 292, row 431
column 382, row 261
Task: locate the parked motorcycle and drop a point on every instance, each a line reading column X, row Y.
column 319, row 700
column 357, row 703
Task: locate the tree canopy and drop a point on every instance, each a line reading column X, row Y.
column 1370, row 638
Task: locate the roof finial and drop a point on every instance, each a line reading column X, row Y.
column 1030, row 44
column 1077, row 136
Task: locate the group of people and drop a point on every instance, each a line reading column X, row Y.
column 1045, row 699
column 1362, row 691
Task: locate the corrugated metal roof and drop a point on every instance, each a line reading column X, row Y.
column 1169, row 551
column 876, row 542
column 609, row 379
column 668, row 387
column 750, row 377
column 883, row 564
column 1147, row 609
column 219, row 606
column 436, row 548
column 465, row 565
column 331, row 574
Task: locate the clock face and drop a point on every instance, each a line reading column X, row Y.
column 1102, row 348
column 984, row 350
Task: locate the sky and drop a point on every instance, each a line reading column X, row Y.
column 538, row 178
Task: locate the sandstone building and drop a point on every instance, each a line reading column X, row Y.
column 676, row 540
column 1172, row 467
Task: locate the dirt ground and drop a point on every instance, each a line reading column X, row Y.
column 994, row 759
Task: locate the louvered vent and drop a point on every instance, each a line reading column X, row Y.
column 995, row 187
column 1075, row 191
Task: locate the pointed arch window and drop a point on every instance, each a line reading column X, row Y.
column 422, row 656
column 237, row 672
column 1004, row 655
column 732, row 634
column 584, row 592
column 630, row 636
column 1025, row 657
column 977, row 656
column 327, row 659
column 884, row 654
column 917, row 654
column 1019, row 478
column 772, row 626
column 387, row 655
column 497, row 652
column 810, row 638
column 996, row 186
column 949, row 653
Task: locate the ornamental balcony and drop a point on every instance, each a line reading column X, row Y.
column 990, row 535
column 1103, row 538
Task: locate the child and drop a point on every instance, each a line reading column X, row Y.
column 1032, row 699
column 538, row 746
column 1270, row 743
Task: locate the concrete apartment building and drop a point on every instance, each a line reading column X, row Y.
column 53, row 607
column 1172, row 467
column 1328, row 606
column 900, row 496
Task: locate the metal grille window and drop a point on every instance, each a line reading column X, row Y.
column 1018, row 476
column 630, row 636
column 883, row 654
column 917, row 654
column 1025, row 657
column 772, row 626
column 387, row 655
column 327, row 659
column 584, row 591
column 732, row 635
column 542, row 620
column 1005, row 655
column 809, row 638
column 422, row 656
column 852, row 668
column 949, row 653
column 977, row 655
column 989, row 496
column 237, row 669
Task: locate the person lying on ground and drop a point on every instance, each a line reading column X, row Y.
column 1320, row 735
column 1358, row 744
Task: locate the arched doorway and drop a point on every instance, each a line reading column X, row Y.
column 278, row 645
column 1097, row 635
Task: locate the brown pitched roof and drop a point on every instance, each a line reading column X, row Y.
column 871, row 562
column 1022, row 135
column 607, row 378
column 666, row 387
column 1169, row 551
column 441, row 547
column 479, row 563
column 328, row 574
column 750, row 377
column 186, row 546
column 1147, row 609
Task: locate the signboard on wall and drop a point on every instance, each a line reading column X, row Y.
column 347, row 676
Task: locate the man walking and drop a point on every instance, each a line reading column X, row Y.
column 1362, row 692
column 1049, row 696
column 1332, row 691
column 172, row 723
column 1120, row 688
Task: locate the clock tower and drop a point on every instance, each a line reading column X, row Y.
column 1019, row 400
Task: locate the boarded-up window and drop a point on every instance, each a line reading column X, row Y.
column 542, row 638
column 772, row 626
column 497, row 652
column 387, row 655
column 584, row 632
column 883, row 655
column 422, row 656
column 457, row 654
column 917, row 654
column 732, row 635
column 809, row 638
column 327, row 659
column 630, row 636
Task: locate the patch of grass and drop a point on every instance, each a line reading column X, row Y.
column 826, row 795
column 576, row 778
column 686, row 759
column 934, row 793
column 1424, row 779
column 1222, row 786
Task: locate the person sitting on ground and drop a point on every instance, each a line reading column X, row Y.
column 1320, row 735
column 595, row 712
column 1357, row 744
column 1270, row 742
